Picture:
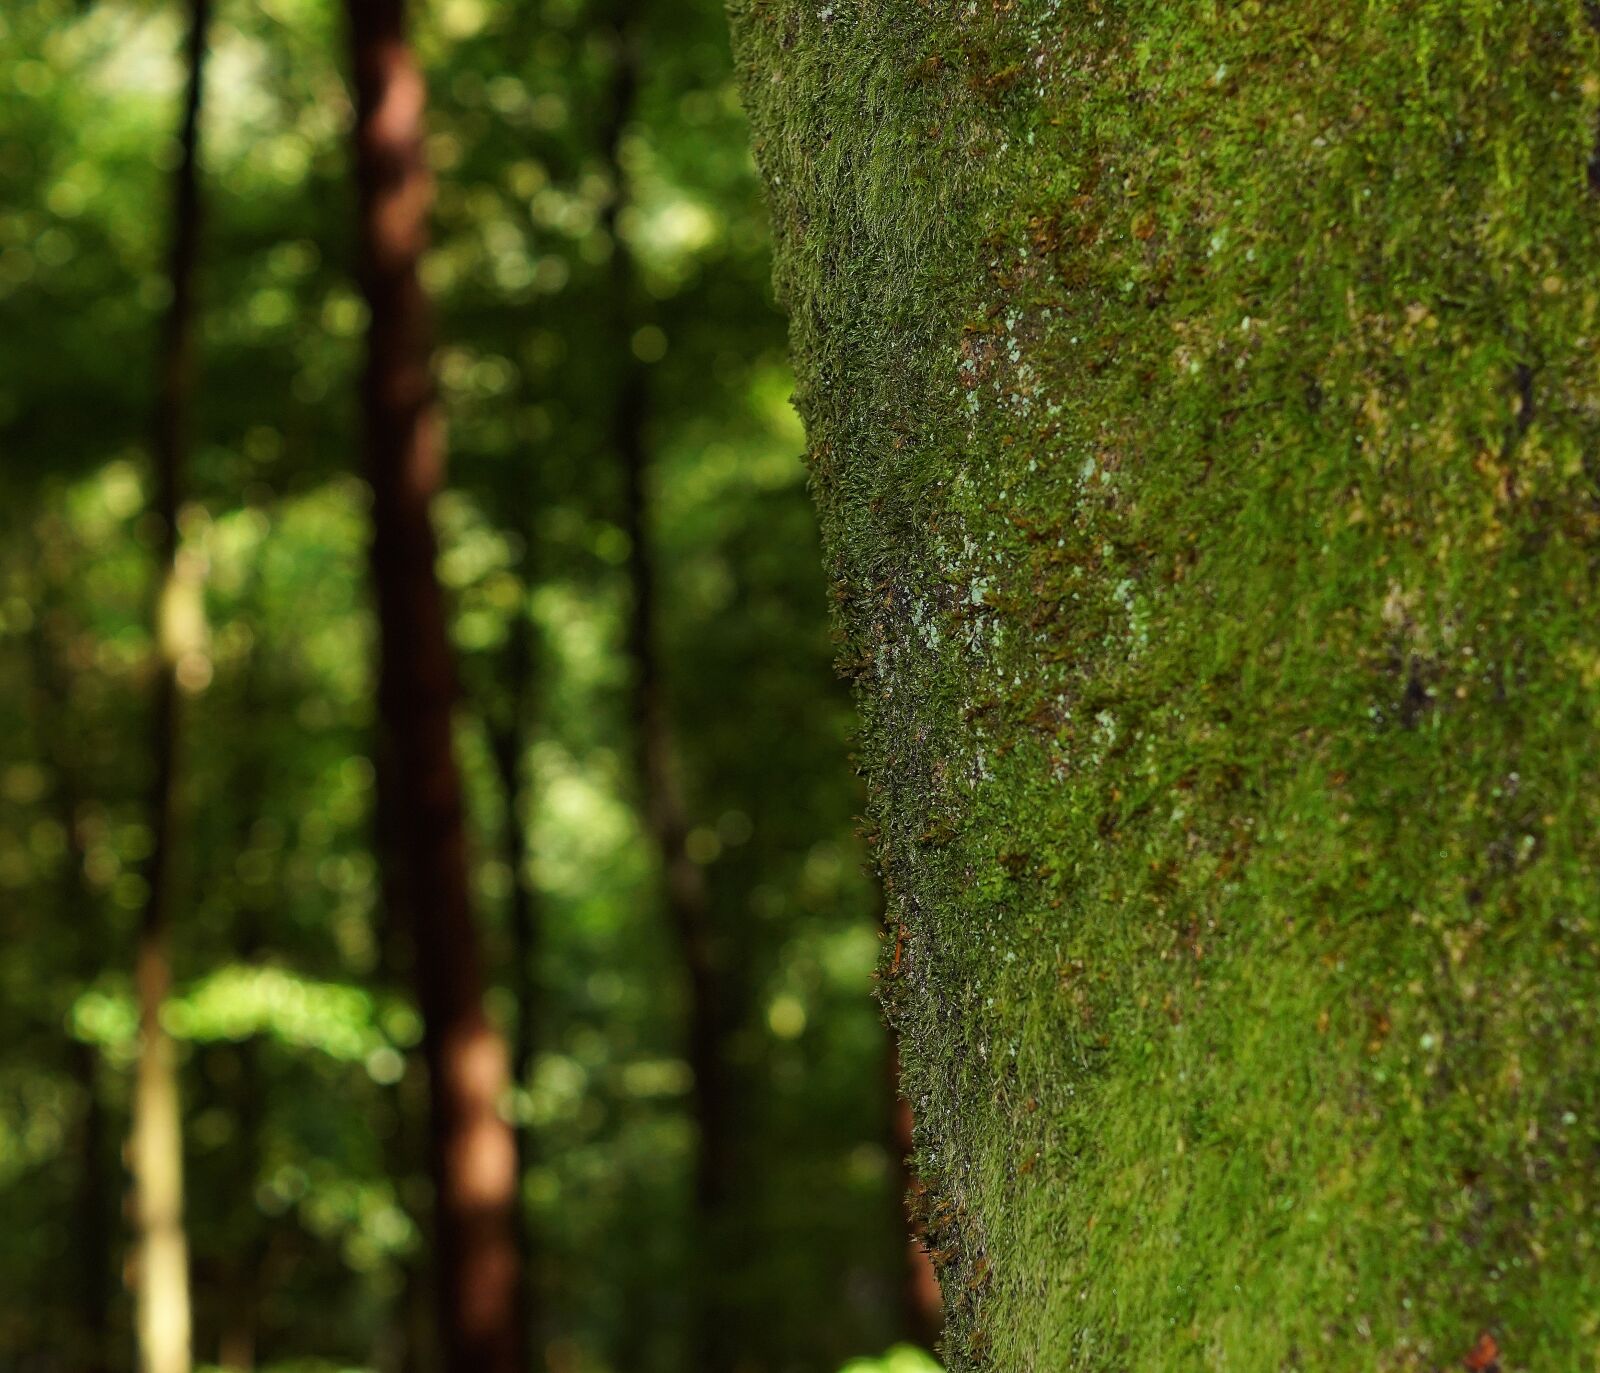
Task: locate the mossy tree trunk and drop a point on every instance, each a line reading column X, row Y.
column 1205, row 428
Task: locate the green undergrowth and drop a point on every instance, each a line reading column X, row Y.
column 1204, row 418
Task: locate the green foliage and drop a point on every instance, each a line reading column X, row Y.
column 236, row 1002
column 1201, row 409
column 303, row 1123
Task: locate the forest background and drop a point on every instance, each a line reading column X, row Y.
column 590, row 235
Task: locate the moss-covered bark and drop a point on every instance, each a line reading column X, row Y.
column 1205, row 422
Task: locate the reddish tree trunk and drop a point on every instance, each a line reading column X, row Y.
column 473, row 1159
column 410, row 1344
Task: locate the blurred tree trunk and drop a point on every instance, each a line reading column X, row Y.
column 473, row 1157
column 686, row 897
column 410, row 1344
column 508, row 743
column 93, row 1219
column 238, row 1341
column 92, row 1213
column 239, row 1335
column 155, row 1152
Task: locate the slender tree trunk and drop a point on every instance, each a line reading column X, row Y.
column 92, row 1213
column 473, row 1157
column 155, row 1153
column 687, row 904
column 91, row 1210
column 508, row 743
column 411, row 1342
column 238, row 1342
column 92, row 1220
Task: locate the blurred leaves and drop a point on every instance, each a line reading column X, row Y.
column 903, row 1358
column 301, row 1084
column 345, row 1022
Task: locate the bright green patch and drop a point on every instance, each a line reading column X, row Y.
column 903, row 1358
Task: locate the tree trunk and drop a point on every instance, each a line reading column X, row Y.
column 155, row 1150
column 473, row 1158
column 239, row 1337
column 93, row 1212
column 508, row 741
column 1202, row 417
column 410, row 1344
column 92, row 1218
column 683, row 882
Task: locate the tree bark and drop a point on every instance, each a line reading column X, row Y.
column 155, row 1152
column 239, row 1334
column 666, row 818
column 92, row 1219
column 410, row 1343
column 473, row 1157
column 1201, row 412
column 508, row 740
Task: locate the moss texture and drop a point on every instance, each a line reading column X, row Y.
column 1204, row 416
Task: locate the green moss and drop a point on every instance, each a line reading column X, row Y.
column 1205, row 423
